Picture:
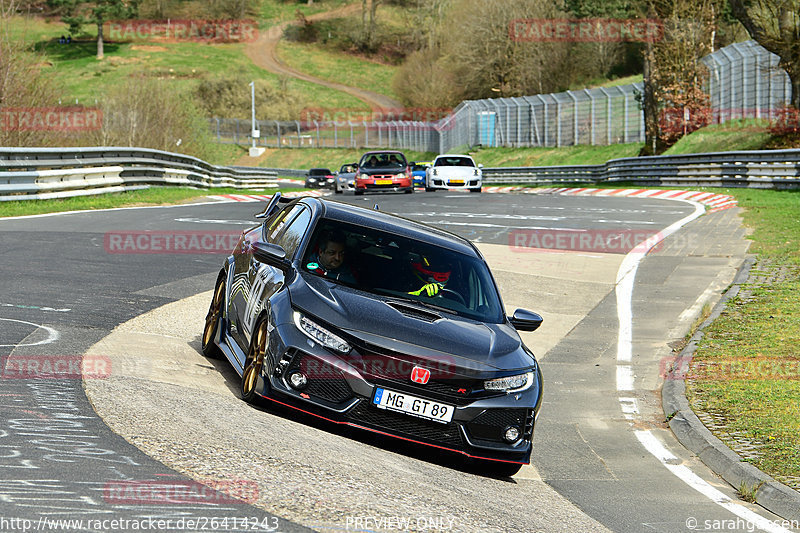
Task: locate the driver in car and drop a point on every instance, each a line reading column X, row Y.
column 433, row 276
column 329, row 259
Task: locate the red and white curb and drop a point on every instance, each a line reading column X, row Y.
column 716, row 202
column 262, row 197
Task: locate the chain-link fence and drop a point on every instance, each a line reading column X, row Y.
column 591, row 116
column 744, row 81
column 401, row 134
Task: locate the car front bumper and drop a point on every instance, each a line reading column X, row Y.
column 341, row 393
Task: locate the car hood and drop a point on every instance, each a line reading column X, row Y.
column 383, row 171
column 477, row 346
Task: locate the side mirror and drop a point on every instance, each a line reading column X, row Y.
column 480, row 165
column 525, row 320
column 271, row 254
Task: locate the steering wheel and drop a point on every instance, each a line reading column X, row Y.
column 454, row 293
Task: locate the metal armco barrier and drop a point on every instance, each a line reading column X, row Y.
column 767, row 169
column 41, row 173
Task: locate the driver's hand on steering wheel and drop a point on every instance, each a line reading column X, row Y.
column 431, row 289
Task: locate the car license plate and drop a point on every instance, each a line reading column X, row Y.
column 383, row 182
column 406, row 403
column 456, row 182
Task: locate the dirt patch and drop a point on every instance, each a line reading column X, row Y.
column 148, row 48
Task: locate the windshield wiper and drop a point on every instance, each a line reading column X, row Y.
column 393, row 296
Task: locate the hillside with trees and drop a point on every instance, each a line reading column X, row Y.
column 429, row 54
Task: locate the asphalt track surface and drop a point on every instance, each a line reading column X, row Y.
column 63, row 292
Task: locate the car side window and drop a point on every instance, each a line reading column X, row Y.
column 296, row 227
column 274, row 225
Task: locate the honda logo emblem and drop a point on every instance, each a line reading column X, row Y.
column 420, row 375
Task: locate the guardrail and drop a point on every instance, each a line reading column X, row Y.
column 770, row 169
column 41, row 173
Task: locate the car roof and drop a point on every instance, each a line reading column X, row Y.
column 453, row 155
column 391, row 223
column 378, row 152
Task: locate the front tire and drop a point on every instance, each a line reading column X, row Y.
column 213, row 320
column 476, row 189
column 255, row 362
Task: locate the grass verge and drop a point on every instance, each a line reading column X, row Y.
column 746, row 370
column 143, row 197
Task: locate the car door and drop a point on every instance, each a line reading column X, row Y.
column 265, row 280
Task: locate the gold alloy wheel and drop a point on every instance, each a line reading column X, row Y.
column 255, row 361
column 212, row 318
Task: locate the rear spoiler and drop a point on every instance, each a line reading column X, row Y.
column 276, row 199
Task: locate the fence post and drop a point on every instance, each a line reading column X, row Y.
column 574, row 118
column 591, row 117
column 625, row 121
column 558, row 123
column 278, row 128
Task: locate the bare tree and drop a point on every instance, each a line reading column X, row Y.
column 674, row 74
column 23, row 86
column 775, row 25
column 490, row 61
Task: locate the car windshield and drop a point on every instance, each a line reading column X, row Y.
column 319, row 172
column 386, row 264
column 454, row 162
column 383, row 160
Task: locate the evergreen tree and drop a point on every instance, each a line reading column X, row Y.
column 77, row 13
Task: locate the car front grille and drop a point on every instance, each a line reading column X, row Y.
column 365, row 413
column 324, row 381
column 490, row 424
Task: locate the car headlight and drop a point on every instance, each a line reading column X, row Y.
column 320, row 334
column 516, row 383
column 400, row 176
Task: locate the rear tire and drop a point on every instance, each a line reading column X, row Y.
column 255, row 361
column 213, row 320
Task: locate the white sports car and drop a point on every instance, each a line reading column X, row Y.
column 453, row 171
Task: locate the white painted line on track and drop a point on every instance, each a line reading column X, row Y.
column 52, row 335
column 654, row 446
column 46, row 215
column 625, row 375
